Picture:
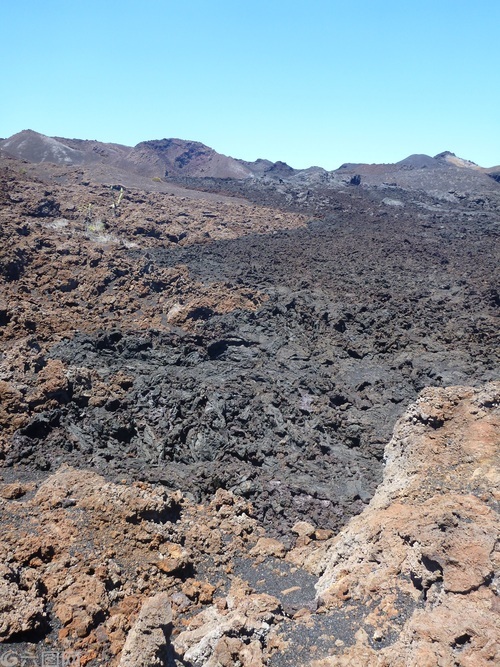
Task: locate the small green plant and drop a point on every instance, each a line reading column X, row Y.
column 156, row 179
column 115, row 205
column 93, row 224
column 87, row 213
column 96, row 227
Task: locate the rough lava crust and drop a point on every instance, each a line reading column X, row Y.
column 202, row 362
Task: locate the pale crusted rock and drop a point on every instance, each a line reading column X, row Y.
column 310, row 556
column 198, row 644
column 106, row 500
column 148, row 641
column 303, row 529
column 220, row 637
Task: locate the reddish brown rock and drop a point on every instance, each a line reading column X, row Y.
column 267, row 546
column 12, row 491
column 173, row 558
column 303, row 529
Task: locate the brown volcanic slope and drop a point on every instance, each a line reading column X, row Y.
column 156, row 159
column 255, row 357
column 174, row 157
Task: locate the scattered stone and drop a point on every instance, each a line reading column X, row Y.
column 303, row 529
column 174, row 559
column 322, row 534
column 392, row 202
column 267, row 546
column 12, row 491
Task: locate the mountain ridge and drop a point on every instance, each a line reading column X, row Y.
column 161, row 158
column 173, row 157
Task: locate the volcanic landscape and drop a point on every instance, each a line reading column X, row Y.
column 248, row 414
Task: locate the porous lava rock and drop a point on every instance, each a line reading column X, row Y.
column 198, row 377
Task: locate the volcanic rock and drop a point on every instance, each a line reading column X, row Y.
column 148, row 640
column 420, row 562
column 233, row 632
column 202, row 361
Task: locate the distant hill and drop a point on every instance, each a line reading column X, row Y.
column 178, row 159
column 423, row 172
column 164, row 158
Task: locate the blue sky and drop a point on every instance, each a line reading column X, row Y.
column 318, row 82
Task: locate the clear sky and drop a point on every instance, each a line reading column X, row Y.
column 319, row 82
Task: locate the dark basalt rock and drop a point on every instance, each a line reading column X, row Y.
column 290, row 406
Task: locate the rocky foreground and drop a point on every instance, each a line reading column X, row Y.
column 198, row 381
column 121, row 574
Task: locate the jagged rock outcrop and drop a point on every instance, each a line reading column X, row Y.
column 22, row 609
column 420, row 564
